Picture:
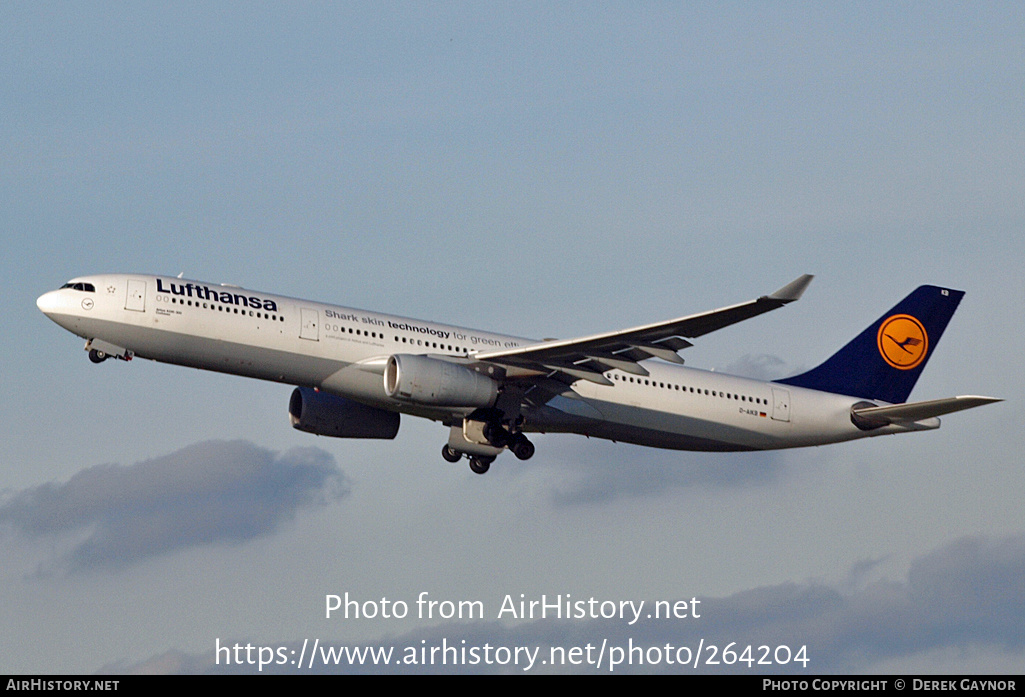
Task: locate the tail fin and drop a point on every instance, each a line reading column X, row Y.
column 885, row 360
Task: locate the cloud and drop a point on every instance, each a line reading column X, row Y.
column 964, row 601
column 760, row 366
column 599, row 472
column 207, row 493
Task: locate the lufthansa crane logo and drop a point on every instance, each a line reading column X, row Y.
column 903, row 341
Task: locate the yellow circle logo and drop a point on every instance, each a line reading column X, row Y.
column 902, row 341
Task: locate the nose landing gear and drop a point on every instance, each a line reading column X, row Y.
column 100, row 351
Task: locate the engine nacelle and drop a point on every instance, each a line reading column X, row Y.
column 328, row 415
column 425, row 380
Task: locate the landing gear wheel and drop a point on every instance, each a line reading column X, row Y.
column 480, row 465
column 495, row 434
column 450, row 454
column 97, row 356
column 521, row 447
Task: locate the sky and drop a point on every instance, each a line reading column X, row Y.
column 536, row 169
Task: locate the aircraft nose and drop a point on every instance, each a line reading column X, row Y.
column 48, row 303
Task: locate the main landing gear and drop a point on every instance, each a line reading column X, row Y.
column 479, row 464
column 97, row 356
column 498, row 436
column 522, row 448
column 495, row 438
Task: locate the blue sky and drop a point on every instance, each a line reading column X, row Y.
column 548, row 169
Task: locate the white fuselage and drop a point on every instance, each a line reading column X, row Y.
column 335, row 349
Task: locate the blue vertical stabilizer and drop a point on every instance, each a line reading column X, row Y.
column 885, row 360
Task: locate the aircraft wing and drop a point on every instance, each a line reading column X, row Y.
column 589, row 357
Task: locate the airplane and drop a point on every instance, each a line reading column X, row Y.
column 356, row 371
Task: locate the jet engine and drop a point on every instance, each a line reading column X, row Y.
column 425, row 380
column 330, row 415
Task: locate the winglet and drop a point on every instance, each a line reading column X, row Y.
column 793, row 290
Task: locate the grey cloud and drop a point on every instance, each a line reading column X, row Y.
column 602, row 472
column 975, row 585
column 212, row 492
column 968, row 593
column 759, row 367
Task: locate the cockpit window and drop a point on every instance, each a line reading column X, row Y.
column 86, row 287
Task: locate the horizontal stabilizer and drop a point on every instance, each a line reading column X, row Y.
column 917, row 411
